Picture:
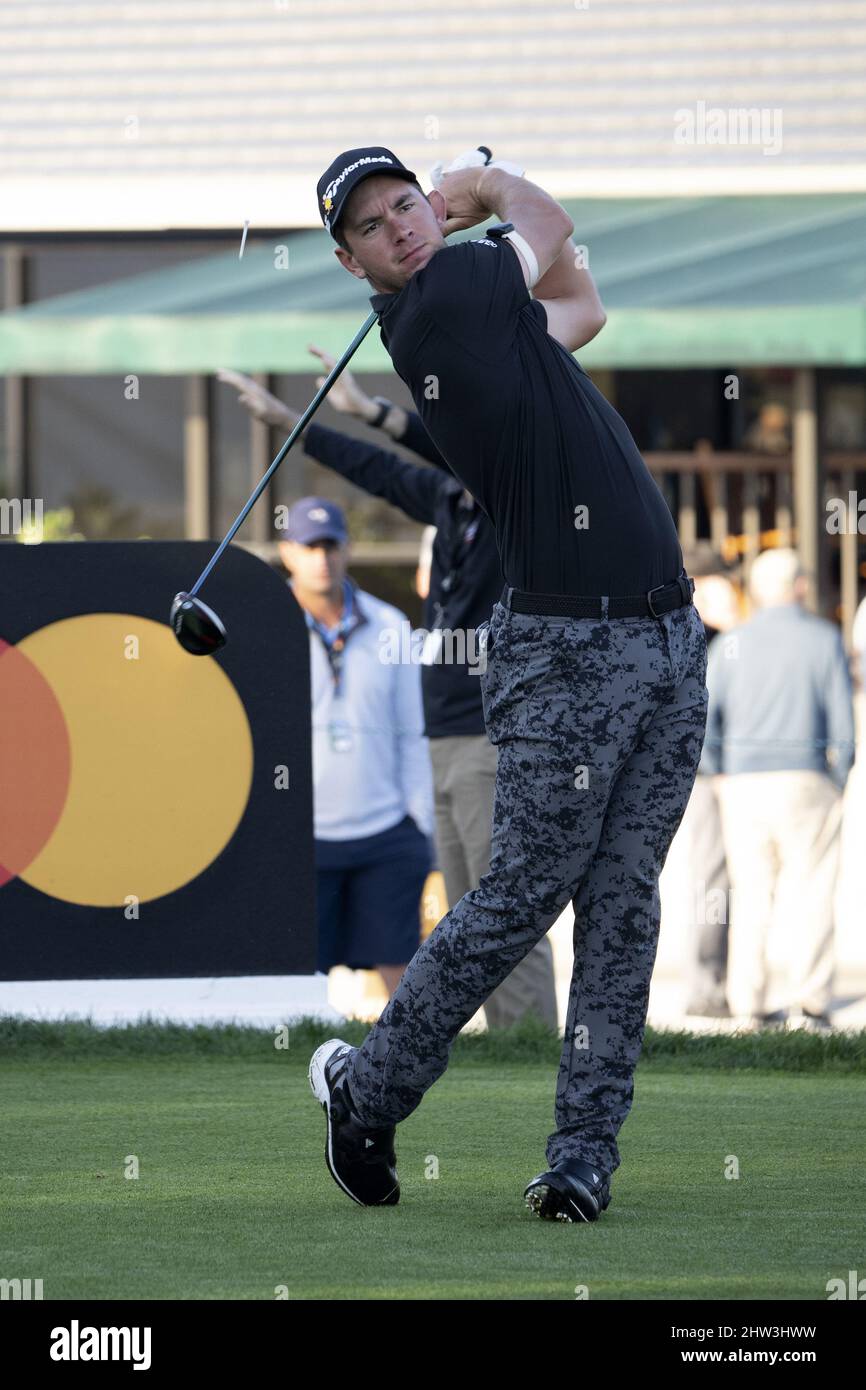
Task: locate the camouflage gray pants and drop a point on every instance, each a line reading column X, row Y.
column 598, row 726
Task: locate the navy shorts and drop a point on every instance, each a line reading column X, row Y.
column 368, row 897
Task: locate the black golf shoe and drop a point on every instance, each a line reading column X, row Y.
column 571, row 1191
column 360, row 1160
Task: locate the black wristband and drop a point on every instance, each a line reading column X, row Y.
column 384, row 407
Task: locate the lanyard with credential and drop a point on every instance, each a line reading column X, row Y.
column 340, row 735
column 335, row 647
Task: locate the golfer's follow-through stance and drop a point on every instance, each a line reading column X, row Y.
column 594, row 684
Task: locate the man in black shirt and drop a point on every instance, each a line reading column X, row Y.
column 594, row 691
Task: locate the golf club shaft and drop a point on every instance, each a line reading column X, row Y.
column 302, row 423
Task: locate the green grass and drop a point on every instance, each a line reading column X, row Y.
column 234, row 1199
column 531, row 1041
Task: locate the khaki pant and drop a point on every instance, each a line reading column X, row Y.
column 696, row 899
column 782, row 837
column 464, row 781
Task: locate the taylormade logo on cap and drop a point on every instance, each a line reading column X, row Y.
column 346, row 171
column 318, row 514
column 328, row 195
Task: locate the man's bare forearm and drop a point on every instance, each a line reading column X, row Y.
column 539, row 218
column 394, row 421
column 510, row 196
column 567, row 278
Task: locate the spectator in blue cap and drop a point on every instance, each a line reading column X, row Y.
column 372, row 780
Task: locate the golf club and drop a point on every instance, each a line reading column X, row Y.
column 198, row 629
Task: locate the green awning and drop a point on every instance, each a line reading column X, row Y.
column 687, row 282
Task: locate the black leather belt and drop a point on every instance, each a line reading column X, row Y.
column 653, row 604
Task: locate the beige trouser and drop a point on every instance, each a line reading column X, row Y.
column 782, row 837
column 464, row 784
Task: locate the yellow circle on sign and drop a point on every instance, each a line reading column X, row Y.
column 161, row 760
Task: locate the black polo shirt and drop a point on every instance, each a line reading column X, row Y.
column 517, row 419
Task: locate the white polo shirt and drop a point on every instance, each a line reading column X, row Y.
column 371, row 761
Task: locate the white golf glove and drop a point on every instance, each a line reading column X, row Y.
column 468, row 161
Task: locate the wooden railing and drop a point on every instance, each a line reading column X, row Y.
column 740, row 489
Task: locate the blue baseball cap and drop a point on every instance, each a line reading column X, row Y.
column 316, row 519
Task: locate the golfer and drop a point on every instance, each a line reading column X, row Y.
column 594, row 689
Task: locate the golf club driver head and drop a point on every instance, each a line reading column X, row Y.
column 197, row 627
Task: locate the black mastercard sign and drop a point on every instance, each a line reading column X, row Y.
column 155, row 807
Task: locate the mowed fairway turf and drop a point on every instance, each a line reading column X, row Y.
column 234, row 1200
